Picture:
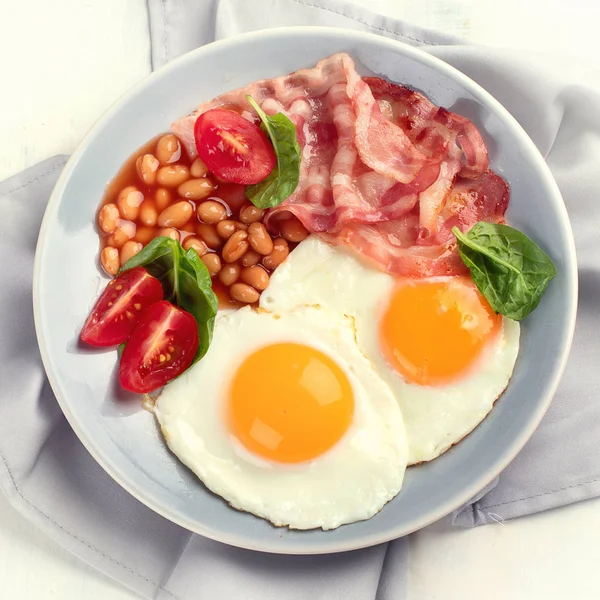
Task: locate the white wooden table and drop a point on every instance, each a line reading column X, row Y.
column 63, row 63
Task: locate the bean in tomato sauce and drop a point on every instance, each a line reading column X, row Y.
column 159, row 191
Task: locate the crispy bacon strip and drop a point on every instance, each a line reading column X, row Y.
column 384, row 170
column 397, row 246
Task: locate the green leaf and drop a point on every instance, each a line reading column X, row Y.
column 283, row 179
column 185, row 280
column 509, row 268
column 196, row 296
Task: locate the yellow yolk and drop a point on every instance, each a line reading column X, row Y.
column 289, row 403
column 434, row 331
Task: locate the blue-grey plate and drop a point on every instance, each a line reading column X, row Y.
column 124, row 439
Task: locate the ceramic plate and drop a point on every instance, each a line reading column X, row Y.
column 124, row 439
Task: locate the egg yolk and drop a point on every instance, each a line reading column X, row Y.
column 434, row 331
column 289, row 403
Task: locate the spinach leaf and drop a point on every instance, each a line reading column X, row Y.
column 281, row 182
column 196, row 296
column 509, row 269
column 185, row 280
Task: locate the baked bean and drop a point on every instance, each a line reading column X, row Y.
column 146, row 167
column 251, row 214
column 116, row 240
column 242, row 292
column 189, row 227
column 172, row 175
column 225, row 228
column 129, row 202
column 129, row 250
column 148, row 213
column 193, row 242
column 109, row 259
column 176, row 215
column 168, row 232
column 196, row 189
column 128, row 227
column 259, row 239
column 235, row 247
column 168, row 149
column 279, row 254
column 198, row 168
column 251, row 258
column 212, row 262
column 255, row 276
column 292, row 230
column 125, row 231
column 229, row 274
column 209, row 234
column 211, row 211
column 162, row 198
column 144, row 234
column 108, row 217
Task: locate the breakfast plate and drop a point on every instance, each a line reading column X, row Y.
column 125, row 439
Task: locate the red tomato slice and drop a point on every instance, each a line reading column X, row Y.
column 233, row 148
column 161, row 347
column 120, row 306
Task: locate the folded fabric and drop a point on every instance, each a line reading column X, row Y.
column 49, row 476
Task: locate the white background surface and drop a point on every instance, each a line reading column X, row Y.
column 62, row 63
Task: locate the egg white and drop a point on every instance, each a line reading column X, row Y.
column 350, row 482
column 435, row 417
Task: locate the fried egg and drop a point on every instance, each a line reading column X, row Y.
column 286, row 419
column 436, row 341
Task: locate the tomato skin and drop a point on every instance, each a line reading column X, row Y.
column 119, row 308
column 232, row 147
column 161, row 347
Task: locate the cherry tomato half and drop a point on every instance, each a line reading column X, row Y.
column 161, row 347
column 232, row 147
column 120, row 306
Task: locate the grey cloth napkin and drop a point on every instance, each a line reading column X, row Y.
column 48, row 475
